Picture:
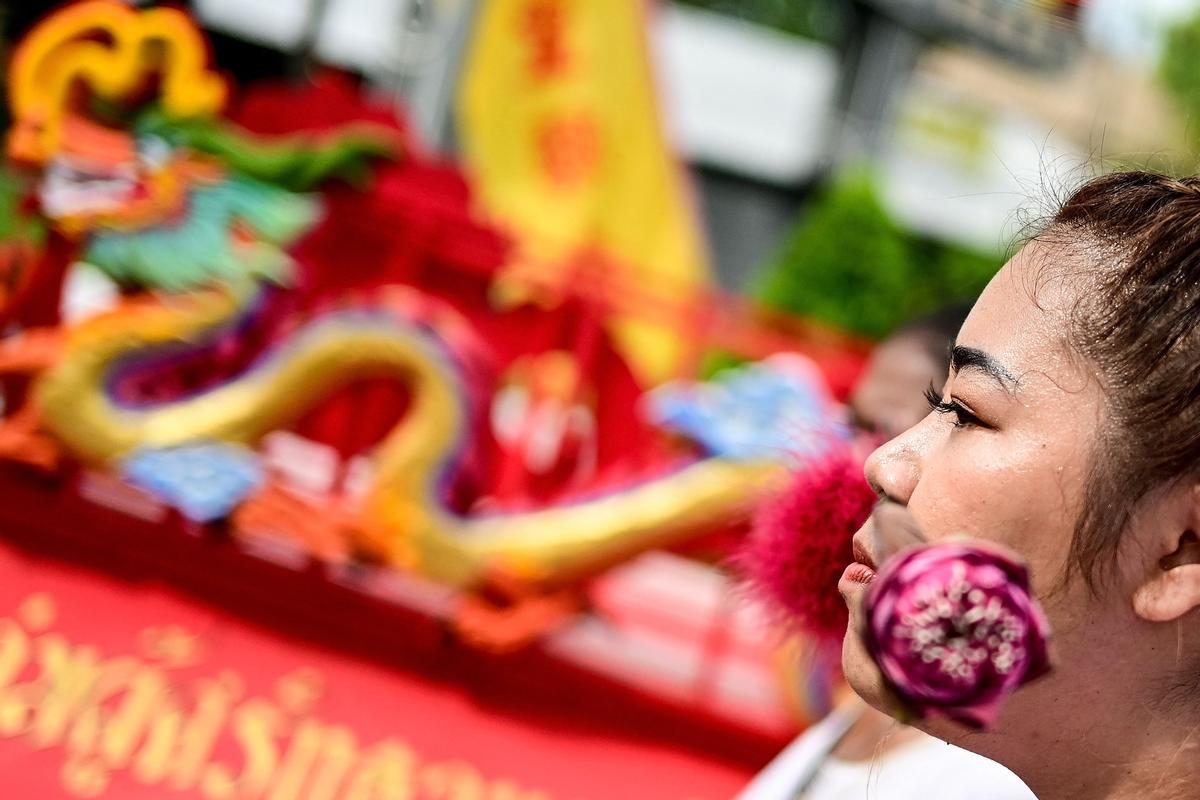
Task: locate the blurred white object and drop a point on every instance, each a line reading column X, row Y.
column 361, row 34
column 956, row 166
column 86, row 293
column 355, row 33
column 279, row 23
column 409, row 47
column 743, row 97
column 906, row 772
column 679, row 630
column 302, row 463
column 357, row 479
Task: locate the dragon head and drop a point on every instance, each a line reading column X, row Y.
column 103, row 54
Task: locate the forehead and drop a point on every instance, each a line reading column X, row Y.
column 1021, row 318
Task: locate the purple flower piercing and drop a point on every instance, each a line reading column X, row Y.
column 955, row 630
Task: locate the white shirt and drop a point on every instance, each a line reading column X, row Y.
column 924, row 769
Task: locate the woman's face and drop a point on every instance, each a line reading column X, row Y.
column 1008, row 464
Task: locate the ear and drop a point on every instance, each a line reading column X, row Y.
column 1172, row 586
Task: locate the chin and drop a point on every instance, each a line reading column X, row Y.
column 858, row 667
column 861, row 673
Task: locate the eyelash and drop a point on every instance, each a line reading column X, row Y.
column 962, row 417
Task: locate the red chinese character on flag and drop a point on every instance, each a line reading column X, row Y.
column 544, row 25
column 569, row 148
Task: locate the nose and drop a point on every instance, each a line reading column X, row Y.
column 893, row 469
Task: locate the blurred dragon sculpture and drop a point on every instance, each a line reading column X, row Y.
column 234, row 324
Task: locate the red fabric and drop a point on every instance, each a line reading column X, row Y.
column 37, row 305
column 449, row 735
column 327, row 101
column 39, row 302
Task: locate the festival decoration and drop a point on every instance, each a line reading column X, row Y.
column 775, row 410
column 199, row 249
column 408, row 523
column 250, row 307
column 204, row 481
column 111, row 48
column 299, row 393
column 955, row 630
column 130, row 691
column 561, row 133
column 538, row 416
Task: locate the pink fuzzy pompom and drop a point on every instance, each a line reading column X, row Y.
column 800, row 544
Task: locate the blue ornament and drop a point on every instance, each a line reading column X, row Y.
column 203, row 480
column 774, row 410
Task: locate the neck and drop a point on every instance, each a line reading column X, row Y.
column 872, row 735
column 1140, row 755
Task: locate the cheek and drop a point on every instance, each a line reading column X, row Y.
column 1021, row 492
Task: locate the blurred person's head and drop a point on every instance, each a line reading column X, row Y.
column 1069, row 432
column 890, row 395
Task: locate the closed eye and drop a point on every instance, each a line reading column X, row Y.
column 962, row 416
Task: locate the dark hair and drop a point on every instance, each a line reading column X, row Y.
column 1138, row 321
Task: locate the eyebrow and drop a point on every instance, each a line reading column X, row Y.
column 962, row 358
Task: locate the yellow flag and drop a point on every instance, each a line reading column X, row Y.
column 559, row 126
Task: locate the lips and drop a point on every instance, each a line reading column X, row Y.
column 861, row 555
column 861, row 571
column 858, row 573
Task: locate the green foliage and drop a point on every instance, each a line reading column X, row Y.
column 821, row 20
column 14, row 222
column 845, row 264
column 1179, row 71
column 849, row 265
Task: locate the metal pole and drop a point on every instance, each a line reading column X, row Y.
column 428, row 64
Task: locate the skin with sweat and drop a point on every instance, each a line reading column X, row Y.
column 1007, row 462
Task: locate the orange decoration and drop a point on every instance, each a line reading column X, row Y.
column 321, row 529
column 111, row 48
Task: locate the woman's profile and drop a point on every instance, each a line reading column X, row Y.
column 857, row 752
column 1068, row 431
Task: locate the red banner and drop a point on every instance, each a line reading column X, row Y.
column 110, row 689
